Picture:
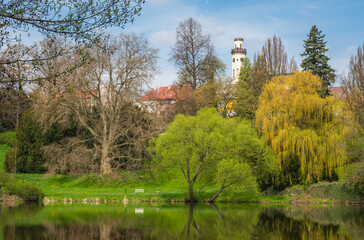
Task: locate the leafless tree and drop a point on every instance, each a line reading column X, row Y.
column 191, row 53
column 101, row 95
column 194, row 55
column 276, row 57
column 292, row 67
column 353, row 85
column 77, row 20
column 13, row 97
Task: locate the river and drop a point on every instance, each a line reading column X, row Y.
column 179, row 221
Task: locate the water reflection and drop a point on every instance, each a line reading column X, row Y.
column 177, row 221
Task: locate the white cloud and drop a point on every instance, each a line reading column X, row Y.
column 167, row 77
column 158, row 1
column 162, row 39
column 351, row 49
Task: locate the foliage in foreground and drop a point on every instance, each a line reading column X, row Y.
column 202, row 147
column 306, row 131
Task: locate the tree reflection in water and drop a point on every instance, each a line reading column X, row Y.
column 177, row 221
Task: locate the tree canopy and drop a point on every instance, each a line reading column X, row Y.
column 306, row 132
column 202, row 146
column 194, row 55
column 245, row 98
column 74, row 19
column 316, row 61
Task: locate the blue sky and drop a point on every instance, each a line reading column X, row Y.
column 255, row 20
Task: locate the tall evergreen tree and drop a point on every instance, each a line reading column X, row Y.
column 316, row 61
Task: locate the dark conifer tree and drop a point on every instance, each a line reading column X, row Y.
column 316, row 61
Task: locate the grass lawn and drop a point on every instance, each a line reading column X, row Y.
column 111, row 187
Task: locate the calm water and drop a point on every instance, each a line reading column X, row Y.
column 177, row 221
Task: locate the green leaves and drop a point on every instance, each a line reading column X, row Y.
column 305, row 131
column 202, row 146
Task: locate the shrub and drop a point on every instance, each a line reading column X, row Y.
column 352, row 177
column 3, row 179
column 8, row 138
column 2, row 128
column 11, row 188
column 27, row 192
column 10, row 160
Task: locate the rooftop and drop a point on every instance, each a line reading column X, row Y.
column 167, row 93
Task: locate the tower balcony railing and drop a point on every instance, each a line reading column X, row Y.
column 238, row 50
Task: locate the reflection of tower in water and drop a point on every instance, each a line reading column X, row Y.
column 237, row 54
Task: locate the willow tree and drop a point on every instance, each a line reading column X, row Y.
column 207, row 149
column 306, row 131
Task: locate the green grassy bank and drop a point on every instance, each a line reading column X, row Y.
column 117, row 187
column 122, row 185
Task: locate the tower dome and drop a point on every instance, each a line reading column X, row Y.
column 238, row 53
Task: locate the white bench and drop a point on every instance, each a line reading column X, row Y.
column 139, row 190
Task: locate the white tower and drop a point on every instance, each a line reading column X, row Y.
column 237, row 54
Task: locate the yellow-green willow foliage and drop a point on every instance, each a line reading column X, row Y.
column 303, row 129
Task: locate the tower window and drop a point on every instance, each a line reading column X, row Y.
column 237, row 72
column 234, row 72
column 237, row 59
column 241, row 45
column 233, row 59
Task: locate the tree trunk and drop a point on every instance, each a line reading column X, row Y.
column 105, row 160
column 216, row 195
column 191, row 197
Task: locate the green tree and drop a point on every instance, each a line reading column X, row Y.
column 306, row 131
column 27, row 155
column 218, row 93
column 231, row 172
column 244, row 106
column 316, row 61
column 196, row 146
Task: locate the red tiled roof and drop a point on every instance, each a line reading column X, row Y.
column 167, row 93
column 337, row 92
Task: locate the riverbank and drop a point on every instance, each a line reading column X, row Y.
column 141, row 187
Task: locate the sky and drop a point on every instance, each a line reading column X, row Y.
column 255, row 21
